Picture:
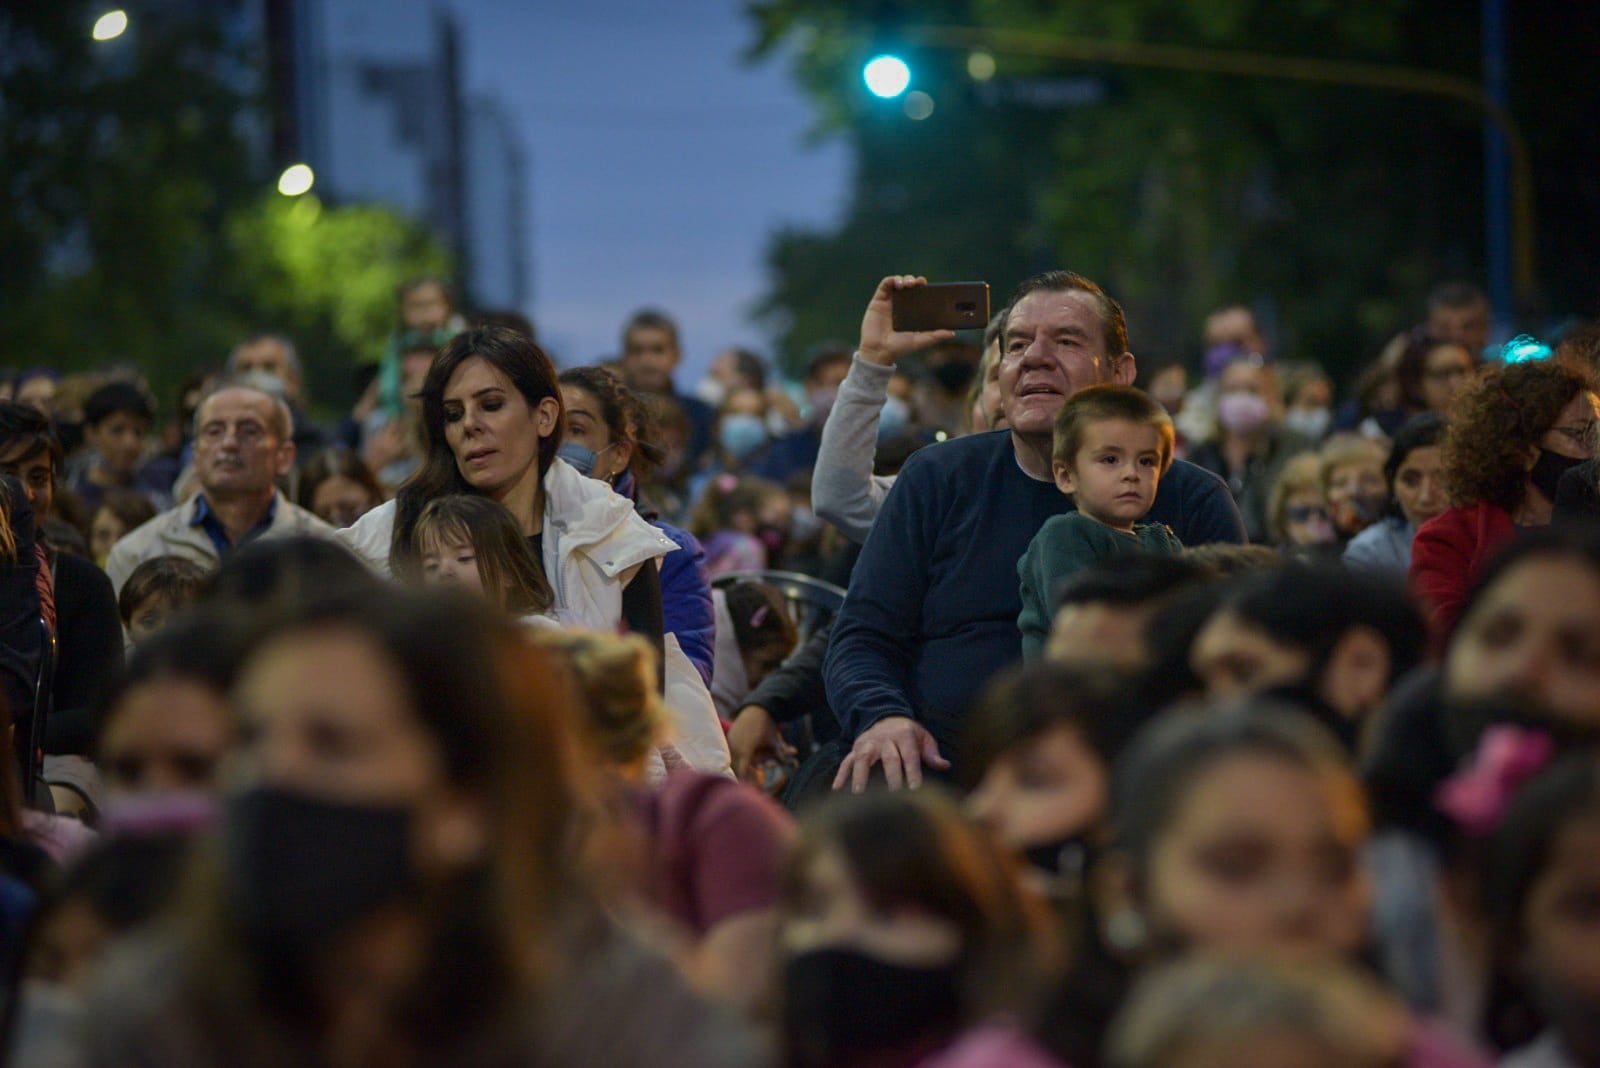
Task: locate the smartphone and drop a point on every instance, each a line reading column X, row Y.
column 944, row 306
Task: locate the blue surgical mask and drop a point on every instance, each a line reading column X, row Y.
column 580, row 457
column 741, row 434
column 893, row 419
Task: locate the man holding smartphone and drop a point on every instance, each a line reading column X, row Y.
column 932, row 610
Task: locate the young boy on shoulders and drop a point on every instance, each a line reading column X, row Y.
column 1112, row 445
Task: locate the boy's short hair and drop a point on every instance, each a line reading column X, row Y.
column 175, row 577
column 114, row 397
column 1098, row 403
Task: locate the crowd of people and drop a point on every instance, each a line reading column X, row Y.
column 965, row 704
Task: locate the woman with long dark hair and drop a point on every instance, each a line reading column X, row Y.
column 492, row 421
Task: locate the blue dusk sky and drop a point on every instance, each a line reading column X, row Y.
column 659, row 162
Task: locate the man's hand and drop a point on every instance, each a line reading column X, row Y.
column 900, row 744
column 880, row 342
column 751, row 734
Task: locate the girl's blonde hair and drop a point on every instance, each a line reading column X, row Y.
column 1302, row 472
column 617, row 678
column 1349, row 450
column 506, row 563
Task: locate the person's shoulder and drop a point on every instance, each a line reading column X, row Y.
column 135, row 540
column 693, row 406
column 138, row 1009
column 1158, row 536
column 694, row 797
column 77, row 573
column 615, row 976
column 1191, row 478
column 1463, row 520
column 1368, row 545
column 682, row 538
column 970, row 452
column 1074, row 524
column 1064, row 533
column 370, row 536
column 304, row 520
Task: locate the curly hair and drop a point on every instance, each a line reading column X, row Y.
column 1500, row 416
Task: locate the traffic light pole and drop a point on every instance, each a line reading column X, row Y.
column 1286, row 68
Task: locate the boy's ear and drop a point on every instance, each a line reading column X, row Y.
column 1063, row 473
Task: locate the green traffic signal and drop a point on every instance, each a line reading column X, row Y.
column 886, row 76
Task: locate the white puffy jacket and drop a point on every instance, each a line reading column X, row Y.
column 594, row 543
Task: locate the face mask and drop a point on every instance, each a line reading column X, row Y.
column 159, row 812
column 1548, row 469
column 266, row 382
column 954, row 377
column 1308, row 422
column 301, row 870
column 1360, row 512
column 1242, row 413
column 581, row 458
column 839, row 1004
column 712, row 391
column 893, row 418
column 741, row 435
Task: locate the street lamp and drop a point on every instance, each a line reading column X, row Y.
column 296, row 180
column 111, row 25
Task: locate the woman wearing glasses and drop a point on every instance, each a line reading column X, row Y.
column 1517, row 429
column 1432, row 374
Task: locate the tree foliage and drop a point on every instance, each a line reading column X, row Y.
column 140, row 226
column 327, row 275
column 1329, row 209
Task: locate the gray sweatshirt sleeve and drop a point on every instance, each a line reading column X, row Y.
column 844, row 491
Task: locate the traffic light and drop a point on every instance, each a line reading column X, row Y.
column 886, row 76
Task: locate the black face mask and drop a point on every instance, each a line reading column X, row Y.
column 841, row 1003
column 1548, row 469
column 301, row 870
column 954, row 376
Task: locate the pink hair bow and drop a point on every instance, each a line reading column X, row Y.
column 1476, row 796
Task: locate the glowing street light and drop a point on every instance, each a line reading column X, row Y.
column 296, row 180
column 111, row 25
column 887, row 76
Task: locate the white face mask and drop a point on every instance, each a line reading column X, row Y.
column 711, row 390
column 1312, row 423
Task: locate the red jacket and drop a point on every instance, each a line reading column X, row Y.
column 1449, row 551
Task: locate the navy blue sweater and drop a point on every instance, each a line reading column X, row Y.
column 932, row 609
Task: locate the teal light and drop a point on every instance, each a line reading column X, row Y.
column 887, row 76
column 1524, row 348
